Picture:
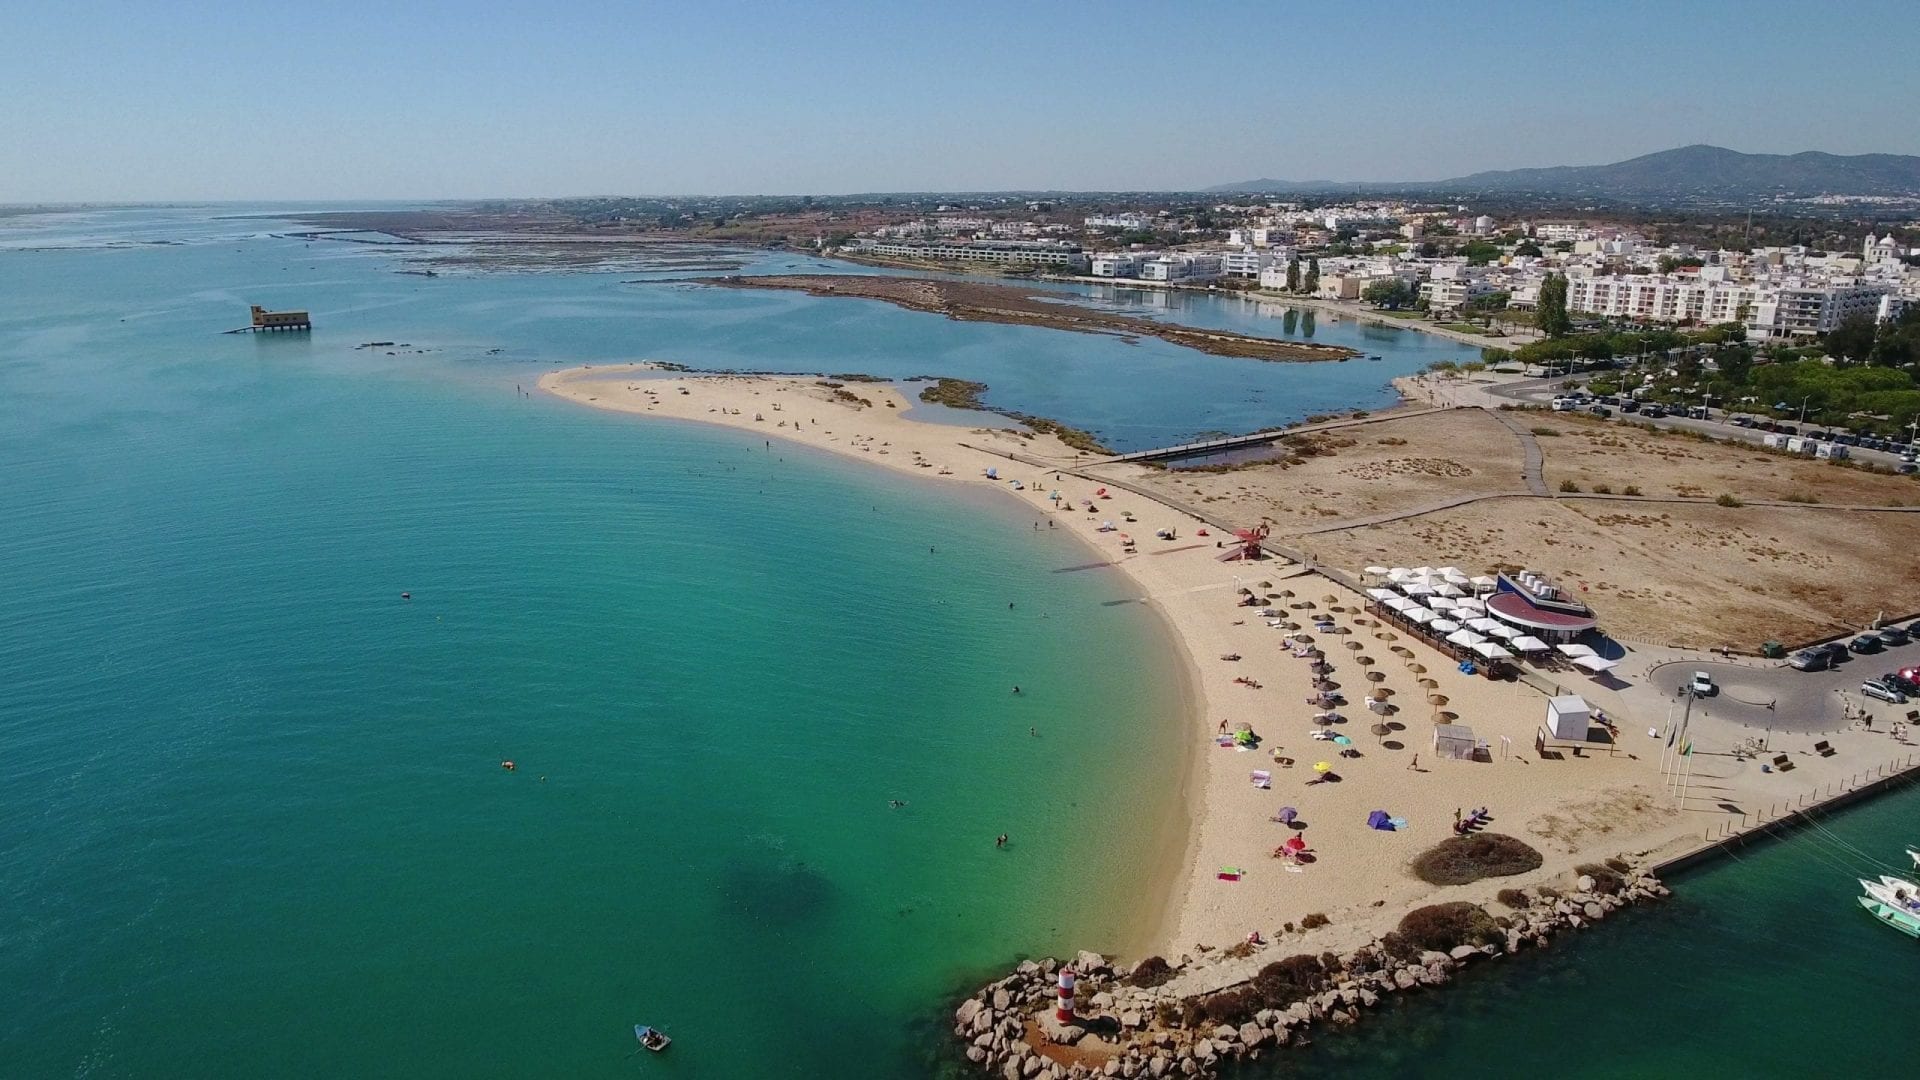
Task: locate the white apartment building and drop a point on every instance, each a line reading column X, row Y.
column 1181, row 267
column 1555, row 232
column 1249, row 263
column 1452, row 294
column 1114, row 264
column 1773, row 310
column 1129, row 220
column 1000, row 252
column 1812, row 309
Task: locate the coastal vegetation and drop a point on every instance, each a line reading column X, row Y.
column 966, row 394
column 954, row 393
column 1462, row 860
column 1445, row 927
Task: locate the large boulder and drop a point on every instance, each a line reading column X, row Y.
column 1594, row 912
column 1254, row 1035
column 964, row 1015
column 1225, row 1033
column 1204, row 1051
column 1089, row 963
column 1405, row 978
column 1002, row 999
column 1462, row 953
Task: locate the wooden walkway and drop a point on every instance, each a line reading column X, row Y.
column 1258, row 438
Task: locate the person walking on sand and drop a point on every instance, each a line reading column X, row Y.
column 1414, row 766
column 1456, row 819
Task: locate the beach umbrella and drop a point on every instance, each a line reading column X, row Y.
column 1266, row 584
column 1397, row 573
column 1382, row 693
column 1286, row 592
column 1417, row 669
column 1353, row 645
column 1322, row 767
column 1342, row 740
column 1389, row 635
column 1492, row 652
column 1377, row 676
column 1363, row 660
column 1380, row 731
column 1402, row 650
column 1436, row 699
column 1286, row 815
column 1328, row 599
column 1429, row 684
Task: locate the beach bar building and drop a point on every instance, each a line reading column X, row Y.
column 1538, row 606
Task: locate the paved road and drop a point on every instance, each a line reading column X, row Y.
column 1543, row 391
column 1778, row 698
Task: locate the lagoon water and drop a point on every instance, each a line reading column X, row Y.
column 255, row 821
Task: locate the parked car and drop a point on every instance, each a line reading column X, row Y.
column 1629, row 405
column 1865, row 643
column 1562, row 404
column 1601, row 411
column 1878, row 688
column 1810, row 660
column 1789, row 429
column 1901, row 683
column 1743, row 421
column 1893, row 635
column 1836, row 651
column 1702, row 685
column 1652, row 412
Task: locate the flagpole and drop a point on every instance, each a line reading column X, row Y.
column 1686, row 781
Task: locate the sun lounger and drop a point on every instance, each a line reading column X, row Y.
column 1782, row 762
column 1823, row 748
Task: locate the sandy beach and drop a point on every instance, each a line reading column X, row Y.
column 1572, row 809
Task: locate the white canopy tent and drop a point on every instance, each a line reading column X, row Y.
column 1595, row 664
column 1400, row 604
column 1484, row 583
column 1420, row 615
column 1575, row 650
column 1448, row 588
column 1492, row 652
column 1445, row 626
column 1527, row 643
column 1466, row 639
column 1507, row 633
column 1382, row 595
column 1478, row 607
column 1440, row 603
column 1377, row 571
column 1486, row 626
column 1417, row 589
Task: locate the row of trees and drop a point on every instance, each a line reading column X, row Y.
column 1862, row 339
column 1296, row 282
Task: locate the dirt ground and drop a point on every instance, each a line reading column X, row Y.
column 1683, row 574
column 1356, row 472
column 1591, row 452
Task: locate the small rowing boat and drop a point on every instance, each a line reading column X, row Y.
column 651, row 1038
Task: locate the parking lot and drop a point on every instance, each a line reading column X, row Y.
column 1541, row 392
column 1779, row 698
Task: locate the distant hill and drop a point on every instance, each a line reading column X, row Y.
column 1687, row 172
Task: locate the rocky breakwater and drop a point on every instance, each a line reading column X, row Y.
column 1151, row 1019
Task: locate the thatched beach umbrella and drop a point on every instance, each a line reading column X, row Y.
column 1429, row 683
column 1380, row 694
column 1354, row 645
column 1390, row 635
column 1377, row 676
column 1363, row 660
column 1266, row 584
column 1380, row 730
column 1402, row 650
column 1329, row 598
column 1286, row 592
column 1436, row 699
column 1417, row 668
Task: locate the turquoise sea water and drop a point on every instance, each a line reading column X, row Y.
column 255, row 822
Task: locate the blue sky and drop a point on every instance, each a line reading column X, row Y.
column 200, row 100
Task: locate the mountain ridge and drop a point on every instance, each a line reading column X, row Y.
column 1699, row 170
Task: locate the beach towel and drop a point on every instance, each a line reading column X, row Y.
column 1378, row 820
column 1262, row 779
column 1228, row 873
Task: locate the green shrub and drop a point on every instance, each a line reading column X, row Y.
column 1546, row 432
column 1603, row 489
column 1728, row 500
column 1799, row 497
column 1568, row 485
column 1442, row 927
column 1605, row 879
column 1513, row 898
column 1396, row 945
column 1619, row 864
column 1630, row 489
column 1314, row 921
column 1152, row 971
column 1460, row 860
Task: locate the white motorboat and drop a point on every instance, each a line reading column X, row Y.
column 1892, row 892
